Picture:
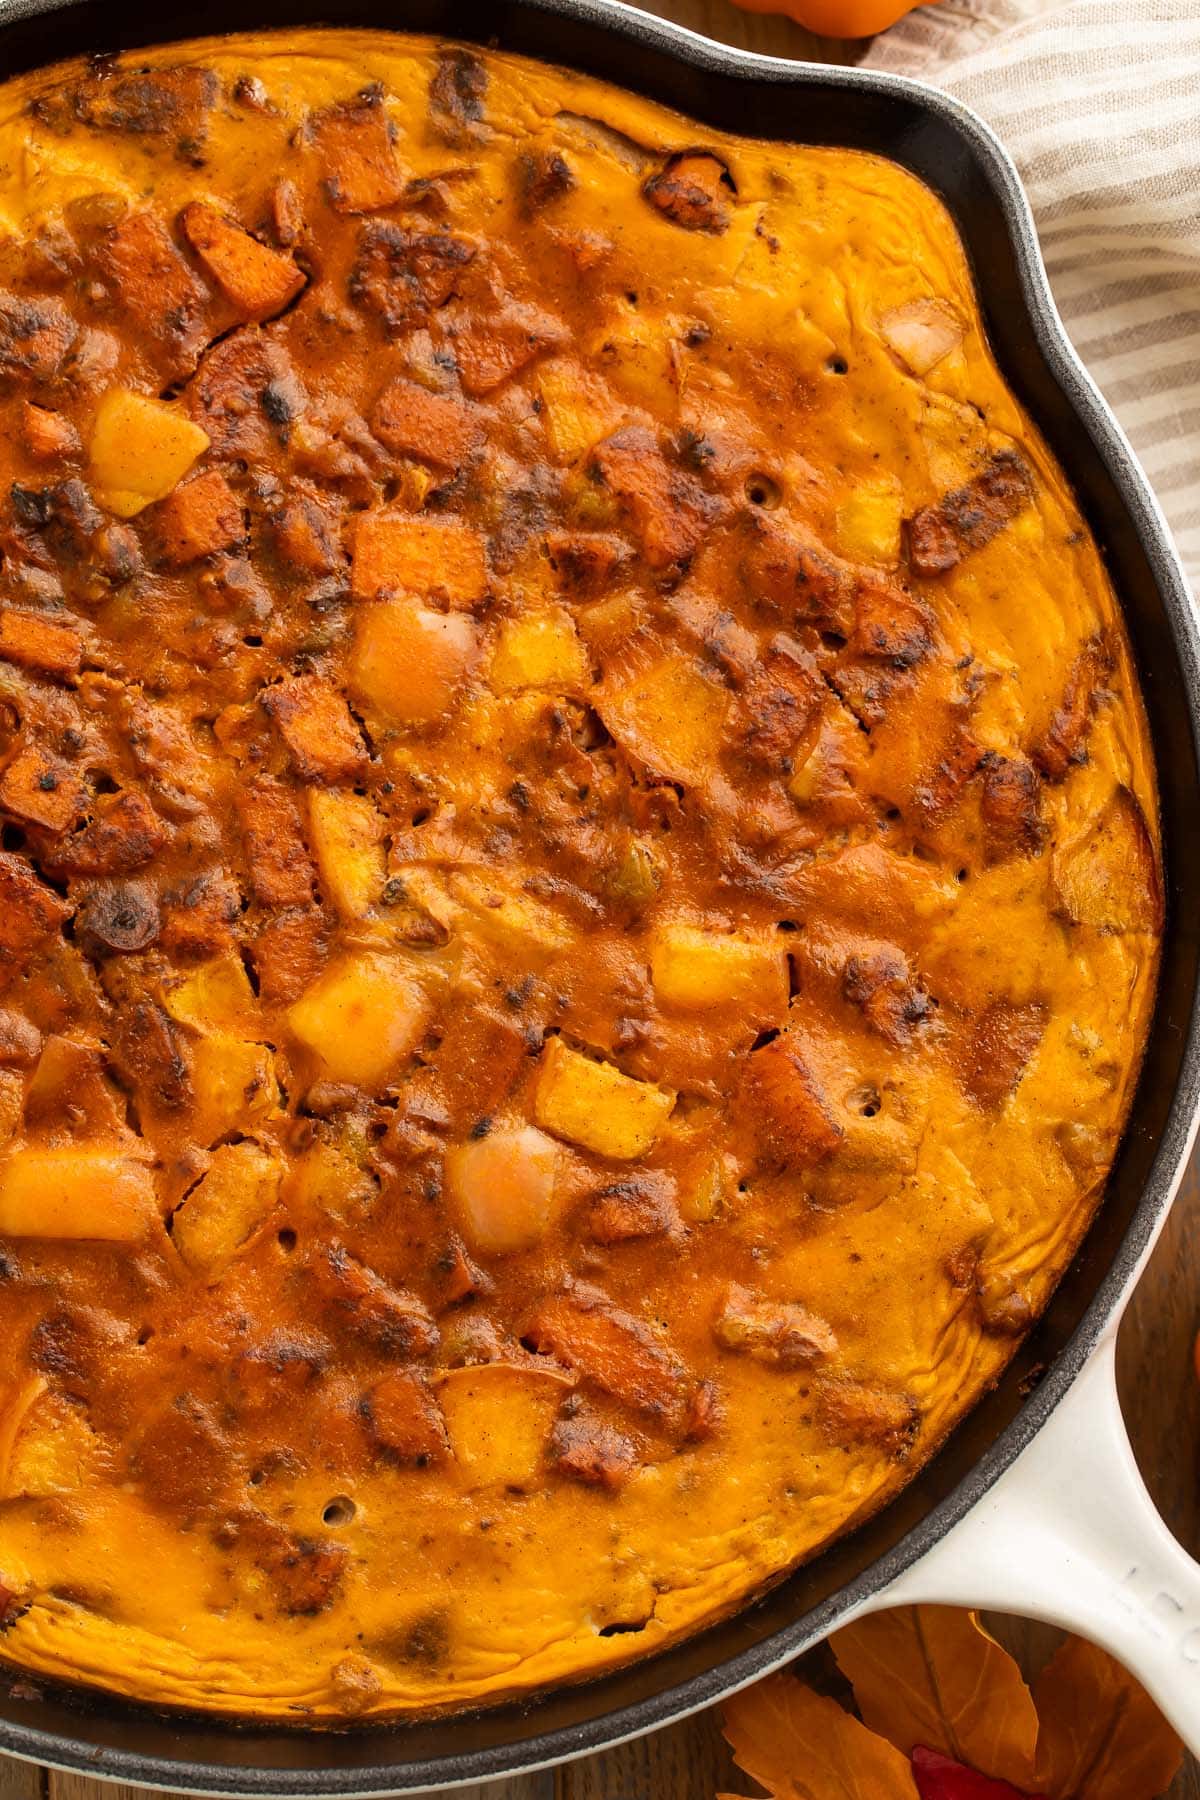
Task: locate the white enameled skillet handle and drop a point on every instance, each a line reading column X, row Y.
column 1069, row 1535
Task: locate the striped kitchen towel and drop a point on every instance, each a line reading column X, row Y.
column 1098, row 103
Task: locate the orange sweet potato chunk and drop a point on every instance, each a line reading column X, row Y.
column 397, row 553
column 361, row 172
column 788, row 1106
column 39, row 790
column 280, row 868
column 435, row 428
column 256, row 279
column 29, row 911
column 198, row 519
column 406, row 1420
column 609, row 1347
column 318, row 728
column 38, row 643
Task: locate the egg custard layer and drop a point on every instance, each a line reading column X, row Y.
column 579, row 885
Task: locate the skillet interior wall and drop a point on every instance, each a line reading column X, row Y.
column 878, row 120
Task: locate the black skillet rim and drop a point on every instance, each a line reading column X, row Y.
column 612, row 31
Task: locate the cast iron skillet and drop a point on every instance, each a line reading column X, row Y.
column 950, row 150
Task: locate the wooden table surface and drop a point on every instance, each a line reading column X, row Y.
column 1161, row 1397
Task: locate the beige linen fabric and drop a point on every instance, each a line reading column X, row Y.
column 1098, row 103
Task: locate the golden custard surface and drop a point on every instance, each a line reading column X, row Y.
column 578, row 891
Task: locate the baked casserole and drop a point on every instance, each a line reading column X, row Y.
column 579, row 875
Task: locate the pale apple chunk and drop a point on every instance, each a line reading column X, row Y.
column 140, row 450
column 693, row 970
column 233, row 1085
column 360, row 1018
column 576, row 410
column 594, row 1105
column 490, row 908
column 76, row 1193
column 225, row 1209
column 539, row 650
column 346, row 833
column 868, row 524
column 922, row 332
column 1109, row 878
column 408, row 661
column 47, row 1445
column 670, row 717
column 499, row 1417
column 502, row 1187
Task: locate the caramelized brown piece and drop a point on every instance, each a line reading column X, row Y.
column 405, row 1420
column 318, row 728
column 280, row 869
column 1109, row 877
column 772, row 1331
column 1003, row 1041
column 860, row 1412
column 609, row 1347
column 1065, row 740
column 29, row 910
column 881, row 983
column 396, row 1323
column 787, row 1106
column 35, row 339
column 1010, row 803
column 123, row 834
column 288, row 953
column 587, row 1449
column 154, row 287
column 457, row 92
column 628, row 1211
column 693, row 190
column 668, row 508
column 303, row 1576
column 940, row 536
column 404, row 276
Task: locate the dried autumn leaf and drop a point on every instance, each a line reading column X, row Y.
column 932, row 1675
column 938, row 1778
column 801, row 1746
column 1102, row 1736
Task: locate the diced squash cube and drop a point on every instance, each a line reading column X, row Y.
column 360, row 1018
column 318, row 728
column 346, row 832
column 593, row 1104
column 199, row 518
column 435, row 428
column 492, row 345
column 40, row 790
column 140, row 450
column 576, row 412
column 539, row 650
column 233, row 1084
column 868, row 524
column 225, row 1209
column 258, row 280
column 354, row 145
column 75, row 1193
column 395, row 552
column 694, row 970
column 502, row 1187
column 408, row 661
column 670, row 717
column 38, row 643
column 499, row 1418
column 217, row 997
